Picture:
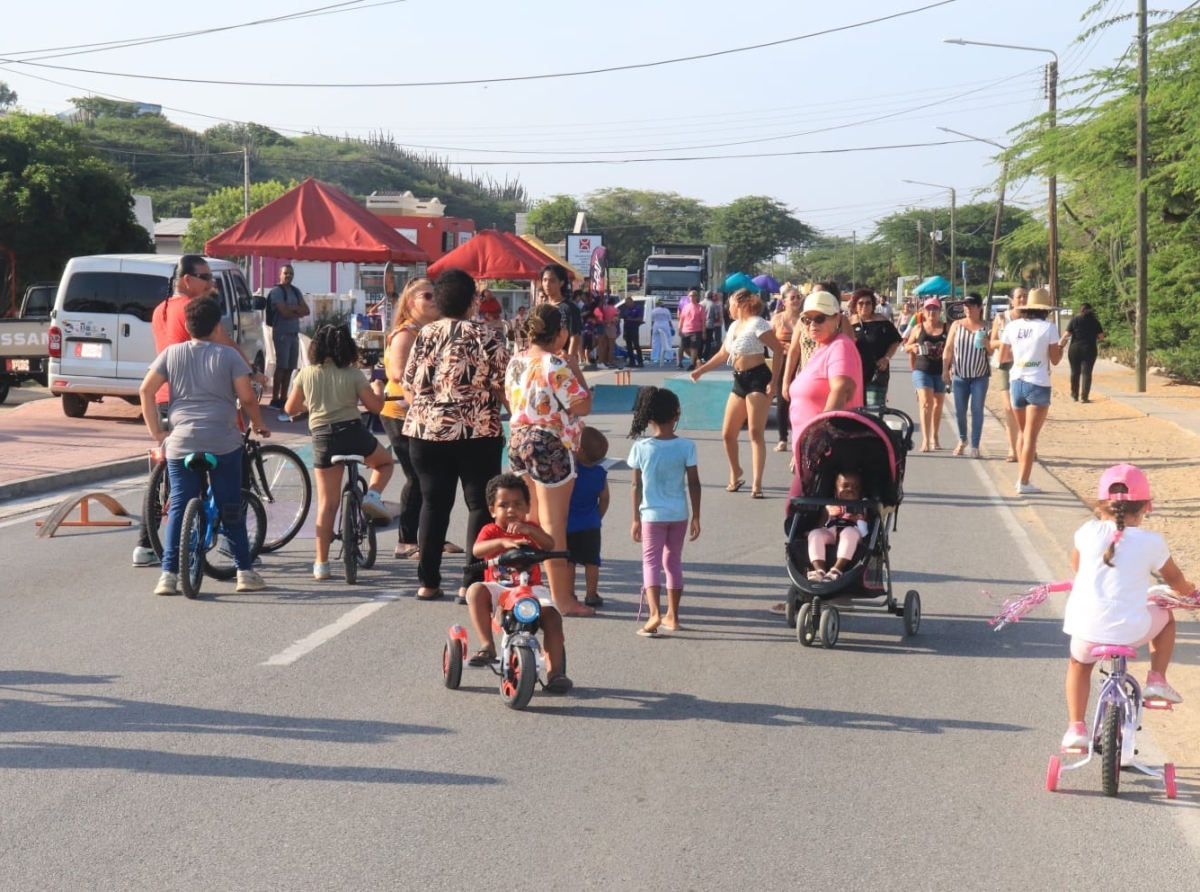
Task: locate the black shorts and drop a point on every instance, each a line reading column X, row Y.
column 753, row 380
column 584, row 546
column 691, row 341
column 343, row 438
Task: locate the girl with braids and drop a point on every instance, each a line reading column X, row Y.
column 547, row 396
column 1113, row 562
column 665, row 477
column 330, row 389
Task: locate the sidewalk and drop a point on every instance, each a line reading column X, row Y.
column 42, row 450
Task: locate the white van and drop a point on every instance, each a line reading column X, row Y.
column 101, row 341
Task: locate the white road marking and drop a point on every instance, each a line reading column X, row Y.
column 1037, row 565
column 316, row 639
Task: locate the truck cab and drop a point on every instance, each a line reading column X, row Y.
column 24, row 338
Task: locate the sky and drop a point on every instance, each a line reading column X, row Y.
column 816, row 87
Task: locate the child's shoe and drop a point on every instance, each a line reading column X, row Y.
column 1076, row 738
column 320, row 570
column 1157, row 689
column 372, row 506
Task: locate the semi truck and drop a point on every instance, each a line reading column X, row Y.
column 672, row 270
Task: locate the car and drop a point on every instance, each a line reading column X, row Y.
column 996, row 306
column 101, row 341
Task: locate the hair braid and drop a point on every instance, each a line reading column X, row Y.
column 657, row 404
column 1118, row 510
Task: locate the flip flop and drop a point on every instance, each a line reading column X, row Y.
column 757, row 494
column 648, row 633
column 483, row 657
column 451, row 548
column 431, row 595
column 404, row 551
column 581, row 610
column 734, row 487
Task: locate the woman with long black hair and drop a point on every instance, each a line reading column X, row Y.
column 1084, row 333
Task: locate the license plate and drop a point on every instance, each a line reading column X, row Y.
column 18, row 365
column 89, row 351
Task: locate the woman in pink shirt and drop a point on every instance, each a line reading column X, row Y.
column 691, row 328
column 832, row 377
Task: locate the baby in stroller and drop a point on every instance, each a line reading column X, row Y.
column 840, row 527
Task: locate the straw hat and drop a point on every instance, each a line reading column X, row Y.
column 1039, row 299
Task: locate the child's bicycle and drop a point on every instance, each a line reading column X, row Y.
column 521, row 663
column 354, row 528
column 1117, row 720
column 202, row 546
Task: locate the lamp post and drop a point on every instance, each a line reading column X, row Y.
column 999, row 207
column 952, row 203
column 1052, row 94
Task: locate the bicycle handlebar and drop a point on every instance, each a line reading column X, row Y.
column 518, row 559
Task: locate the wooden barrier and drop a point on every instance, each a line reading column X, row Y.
column 57, row 518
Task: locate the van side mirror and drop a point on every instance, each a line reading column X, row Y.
column 260, row 302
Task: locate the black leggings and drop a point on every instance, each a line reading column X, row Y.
column 440, row 466
column 782, row 417
column 633, row 349
column 410, row 495
column 1082, row 358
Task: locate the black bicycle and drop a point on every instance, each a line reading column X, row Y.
column 274, row 473
column 354, row 528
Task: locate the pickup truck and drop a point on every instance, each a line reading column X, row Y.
column 24, row 338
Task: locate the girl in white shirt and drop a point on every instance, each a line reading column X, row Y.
column 1113, row 562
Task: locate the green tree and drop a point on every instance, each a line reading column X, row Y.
column 59, row 199
column 755, row 228
column 552, row 218
column 633, row 220
column 226, row 207
column 8, row 98
column 851, row 263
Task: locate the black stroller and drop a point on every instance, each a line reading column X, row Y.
column 859, row 440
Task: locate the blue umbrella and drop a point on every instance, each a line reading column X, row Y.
column 931, row 286
column 767, row 283
column 737, row 281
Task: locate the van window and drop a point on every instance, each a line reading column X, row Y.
column 130, row 293
column 245, row 303
column 221, row 297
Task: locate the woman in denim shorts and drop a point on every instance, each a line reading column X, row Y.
column 926, row 342
column 547, row 396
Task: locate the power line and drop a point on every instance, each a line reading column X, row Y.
column 499, row 80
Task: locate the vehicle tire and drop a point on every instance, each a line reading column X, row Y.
column 805, row 633
column 912, row 612
column 1169, row 780
column 367, row 548
column 4, row 392
column 191, row 548
column 452, row 662
column 74, row 405
column 350, row 536
column 520, row 675
column 1052, row 773
column 218, row 560
column 791, row 606
column 283, row 484
column 831, row 625
column 155, row 505
column 1110, row 756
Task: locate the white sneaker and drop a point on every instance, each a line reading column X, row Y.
column 168, row 584
column 1027, row 489
column 249, row 581
column 602, row 367
column 285, row 417
column 372, row 506
column 145, row 557
column 320, row 570
column 1157, row 689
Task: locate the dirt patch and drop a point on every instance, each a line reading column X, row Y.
column 1078, row 442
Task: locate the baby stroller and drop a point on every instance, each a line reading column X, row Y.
column 860, row 440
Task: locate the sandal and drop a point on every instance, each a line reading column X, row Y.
column 757, row 494
column 648, row 632
column 833, row 574
column 431, row 594
column 960, row 448
column 483, row 657
column 558, row 683
column 451, row 548
column 404, row 551
column 781, row 447
column 734, row 487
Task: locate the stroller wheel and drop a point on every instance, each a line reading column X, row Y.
column 912, row 612
column 806, row 632
column 793, row 604
column 831, row 625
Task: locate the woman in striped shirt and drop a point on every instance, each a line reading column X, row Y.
column 965, row 368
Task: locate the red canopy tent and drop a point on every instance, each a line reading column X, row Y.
column 315, row 221
column 489, row 255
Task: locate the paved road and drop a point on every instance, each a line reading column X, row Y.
column 19, row 396
column 150, row 743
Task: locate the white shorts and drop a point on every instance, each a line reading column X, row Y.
column 495, row 589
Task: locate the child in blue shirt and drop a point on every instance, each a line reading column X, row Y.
column 665, row 478
column 589, row 503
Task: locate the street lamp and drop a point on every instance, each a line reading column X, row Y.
column 999, row 207
column 1052, row 93
column 952, row 204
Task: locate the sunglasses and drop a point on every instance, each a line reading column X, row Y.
column 207, row 277
column 425, row 295
column 814, row 320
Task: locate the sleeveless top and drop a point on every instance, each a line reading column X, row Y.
column 931, row 362
column 969, row 361
column 396, row 408
column 743, row 339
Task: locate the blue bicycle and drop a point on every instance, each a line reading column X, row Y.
column 203, row 546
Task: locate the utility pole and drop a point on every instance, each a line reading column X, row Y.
column 245, row 181
column 920, row 252
column 853, row 258
column 1142, row 249
column 1052, row 89
column 953, row 256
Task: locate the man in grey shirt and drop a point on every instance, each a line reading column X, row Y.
column 285, row 309
column 206, row 380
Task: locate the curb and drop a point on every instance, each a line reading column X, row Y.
column 33, row 486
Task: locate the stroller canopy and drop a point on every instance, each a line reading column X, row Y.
column 851, row 440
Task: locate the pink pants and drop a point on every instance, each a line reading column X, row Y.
column 662, row 548
column 847, row 542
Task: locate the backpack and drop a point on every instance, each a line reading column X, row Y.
column 272, row 313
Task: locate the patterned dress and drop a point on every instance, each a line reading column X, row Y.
column 455, row 373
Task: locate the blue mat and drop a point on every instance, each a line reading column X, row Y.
column 701, row 403
column 614, row 397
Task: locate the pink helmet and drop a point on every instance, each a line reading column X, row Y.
column 1135, row 482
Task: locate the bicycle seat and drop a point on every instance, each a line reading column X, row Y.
column 196, row 461
column 1104, row 651
column 347, row 459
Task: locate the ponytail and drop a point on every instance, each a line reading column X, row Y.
column 1118, row 510
column 655, row 404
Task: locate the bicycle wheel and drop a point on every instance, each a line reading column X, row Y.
column 282, row 482
column 366, row 545
column 155, row 505
column 1110, row 764
column 191, row 548
column 350, row 556
column 218, row 560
